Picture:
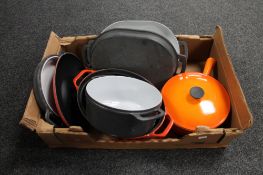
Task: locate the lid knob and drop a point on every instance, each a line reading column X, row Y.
column 197, row 92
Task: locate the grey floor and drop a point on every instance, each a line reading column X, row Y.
column 24, row 30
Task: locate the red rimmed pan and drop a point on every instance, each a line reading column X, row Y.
column 65, row 94
column 119, row 103
column 43, row 91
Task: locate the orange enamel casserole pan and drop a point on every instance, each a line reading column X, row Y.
column 194, row 99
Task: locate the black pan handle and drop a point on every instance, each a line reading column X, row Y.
column 47, row 117
column 86, row 54
column 159, row 113
column 82, row 74
column 52, row 119
column 185, row 47
column 183, row 57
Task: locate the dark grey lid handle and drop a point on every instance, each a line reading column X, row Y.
column 197, row 92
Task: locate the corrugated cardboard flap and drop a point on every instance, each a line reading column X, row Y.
column 238, row 100
column 204, row 135
column 75, row 137
column 31, row 115
column 64, row 41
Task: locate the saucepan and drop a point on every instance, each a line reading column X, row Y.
column 119, row 102
column 194, row 99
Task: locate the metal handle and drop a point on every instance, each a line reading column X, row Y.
column 183, row 57
column 163, row 133
column 47, row 117
column 52, row 119
column 77, row 78
column 209, row 65
column 86, row 54
column 149, row 116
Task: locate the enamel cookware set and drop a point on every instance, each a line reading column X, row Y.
column 125, row 85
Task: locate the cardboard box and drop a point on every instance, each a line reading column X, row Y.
column 200, row 48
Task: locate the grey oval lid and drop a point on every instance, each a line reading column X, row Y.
column 147, row 26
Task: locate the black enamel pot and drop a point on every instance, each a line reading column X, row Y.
column 120, row 103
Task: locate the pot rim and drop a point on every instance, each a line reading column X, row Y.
column 114, row 71
column 156, row 92
column 38, row 88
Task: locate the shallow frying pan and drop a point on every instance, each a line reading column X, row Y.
column 65, row 94
column 42, row 88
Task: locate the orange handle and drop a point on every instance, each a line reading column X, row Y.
column 209, row 65
column 163, row 133
column 76, row 79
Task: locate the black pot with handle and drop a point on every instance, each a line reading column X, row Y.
column 120, row 103
column 147, row 48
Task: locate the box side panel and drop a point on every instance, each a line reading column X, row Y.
column 77, row 138
column 230, row 134
column 76, row 44
column 198, row 47
column 46, row 133
column 32, row 114
column 53, row 45
column 68, row 137
column 241, row 115
column 72, row 140
column 152, row 145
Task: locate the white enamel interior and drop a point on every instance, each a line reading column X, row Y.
column 124, row 93
column 47, row 73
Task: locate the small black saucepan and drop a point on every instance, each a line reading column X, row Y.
column 42, row 88
column 65, row 94
column 119, row 102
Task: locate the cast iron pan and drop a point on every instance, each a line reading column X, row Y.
column 42, row 88
column 81, row 90
column 65, row 94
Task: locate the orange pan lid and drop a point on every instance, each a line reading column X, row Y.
column 192, row 99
